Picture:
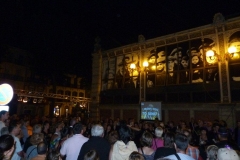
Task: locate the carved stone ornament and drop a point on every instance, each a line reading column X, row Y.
column 218, row 20
column 141, row 38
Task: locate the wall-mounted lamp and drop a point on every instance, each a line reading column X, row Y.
column 35, row 100
column 210, row 54
column 145, row 64
column 231, row 51
column 25, row 99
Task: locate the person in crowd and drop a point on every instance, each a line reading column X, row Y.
column 236, row 134
column 24, row 130
column 56, row 137
column 42, row 151
column 45, row 131
column 32, row 150
column 212, row 152
column 107, row 131
column 4, row 115
column 73, row 145
column 158, row 141
column 4, row 131
column 168, row 148
column 64, row 136
column 91, row 155
column 54, row 155
column 123, row 147
column 72, row 122
column 171, row 127
column 181, row 144
column 14, row 130
column 112, row 138
column 224, row 141
column 226, row 153
column 146, row 143
column 136, row 156
column 36, row 130
column 96, row 142
column 6, row 147
column 191, row 150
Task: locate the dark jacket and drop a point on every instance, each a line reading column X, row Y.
column 99, row 144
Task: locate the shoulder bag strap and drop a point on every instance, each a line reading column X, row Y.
column 31, row 152
column 143, row 153
column 177, row 156
column 155, row 143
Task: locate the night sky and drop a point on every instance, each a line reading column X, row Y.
column 61, row 33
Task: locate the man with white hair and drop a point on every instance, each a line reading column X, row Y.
column 96, row 142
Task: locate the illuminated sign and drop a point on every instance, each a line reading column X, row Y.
column 6, row 94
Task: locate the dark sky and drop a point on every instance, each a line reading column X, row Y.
column 62, row 32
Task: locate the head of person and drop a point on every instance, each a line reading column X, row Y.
column 177, row 52
column 36, row 138
column 212, row 151
column 113, row 137
column 181, row 142
column 58, row 127
column 6, row 146
column 46, row 125
column 169, row 139
column 136, row 156
column 91, row 155
column 223, row 133
column 42, row 148
column 195, row 59
column 187, row 133
column 158, row 132
column 124, row 133
column 170, row 63
column 184, row 62
column 73, row 121
column 146, row 139
column 97, row 130
column 225, row 153
column 77, row 128
column 54, row 155
column 14, row 128
column 4, row 115
column 37, row 128
column 65, row 132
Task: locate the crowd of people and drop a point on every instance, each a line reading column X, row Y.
column 34, row 138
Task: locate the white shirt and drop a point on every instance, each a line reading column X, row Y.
column 181, row 155
column 72, row 146
column 17, row 149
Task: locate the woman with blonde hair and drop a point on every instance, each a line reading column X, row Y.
column 158, row 141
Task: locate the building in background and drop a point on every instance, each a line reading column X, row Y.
column 194, row 73
column 37, row 94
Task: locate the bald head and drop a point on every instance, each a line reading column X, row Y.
column 42, row 148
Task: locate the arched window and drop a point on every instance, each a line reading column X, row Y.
column 74, row 94
column 60, row 92
column 68, row 93
column 81, row 94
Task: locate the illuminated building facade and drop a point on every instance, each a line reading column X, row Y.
column 194, row 73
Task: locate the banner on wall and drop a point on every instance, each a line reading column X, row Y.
column 6, row 95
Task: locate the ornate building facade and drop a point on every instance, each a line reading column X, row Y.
column 194, row 73
column 36, row 94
